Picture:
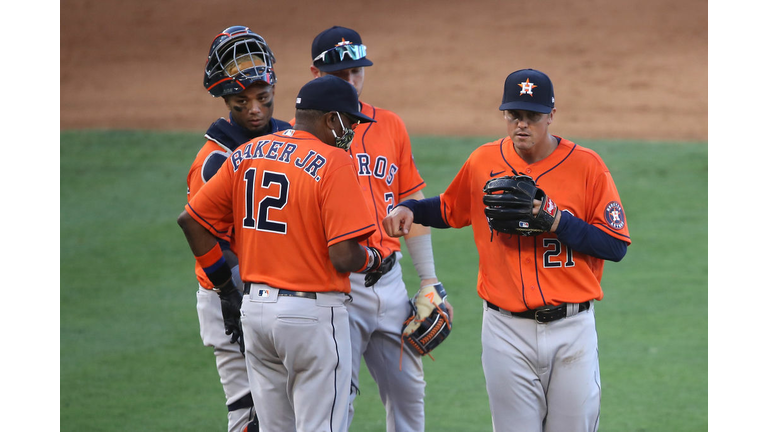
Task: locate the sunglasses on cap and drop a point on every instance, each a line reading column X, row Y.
column 353, row 124
column 338, row 53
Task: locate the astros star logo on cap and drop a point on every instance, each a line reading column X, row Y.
column 344, row 42
column 527, row 87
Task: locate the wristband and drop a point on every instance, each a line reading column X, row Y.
column 426, row 211
column 215, row 266
column 372, row 260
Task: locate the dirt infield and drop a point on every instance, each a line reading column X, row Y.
column 629, row 69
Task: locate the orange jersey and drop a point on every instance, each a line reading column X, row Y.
column 223, row 136
column 195, row 180
column 386, row 169
column 519, row 273
column 288, row 197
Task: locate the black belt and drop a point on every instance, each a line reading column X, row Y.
column 286, row 293
column 545, row 315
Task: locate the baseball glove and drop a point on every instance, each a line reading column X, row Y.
column 231, row 299
column 429, row 324
column 509, row 206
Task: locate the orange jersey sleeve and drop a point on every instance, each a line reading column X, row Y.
column 289, row 197
column 207, row 161
column 519, row 273
column 386, row 169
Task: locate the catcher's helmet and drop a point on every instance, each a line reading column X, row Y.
column 238, row 58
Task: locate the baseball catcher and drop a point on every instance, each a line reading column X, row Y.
column 429, row 324
column 509, row 207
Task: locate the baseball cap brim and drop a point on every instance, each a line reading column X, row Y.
column 331, row 93
column 362, row 118
column 363, row 62
column 525, row 106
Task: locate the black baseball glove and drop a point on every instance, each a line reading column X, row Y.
column 231, row 299
column 429, row 324
column 509, row 206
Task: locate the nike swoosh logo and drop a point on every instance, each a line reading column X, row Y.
column 494, row 174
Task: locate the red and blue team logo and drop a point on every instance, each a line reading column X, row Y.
column 614, row 215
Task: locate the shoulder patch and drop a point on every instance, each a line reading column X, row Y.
column 614, row 215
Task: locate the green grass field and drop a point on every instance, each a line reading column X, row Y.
column 131, row 355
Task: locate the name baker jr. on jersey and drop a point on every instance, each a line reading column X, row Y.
column 311, row 163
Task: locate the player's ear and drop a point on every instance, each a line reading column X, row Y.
column 551, row 116
column 315, row 71
column 329, row 119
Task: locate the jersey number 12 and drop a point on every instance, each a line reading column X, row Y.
column 262, row 222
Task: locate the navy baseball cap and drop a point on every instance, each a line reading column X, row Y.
column 330, row 93
column 338, row 48
column 528, row 90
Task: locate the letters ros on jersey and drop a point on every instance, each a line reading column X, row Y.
column 614, row 215
column 380, row 168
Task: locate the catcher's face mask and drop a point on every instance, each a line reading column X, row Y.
column 345, row 140
column 238, row 57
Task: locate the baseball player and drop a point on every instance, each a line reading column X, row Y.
column 539, row 341
column 381, row 152
column 298, row 216
column 240, row 70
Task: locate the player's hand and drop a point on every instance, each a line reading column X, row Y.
column 231, row 299
column 398, row 222
column 537, row 208
column 386, row 265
